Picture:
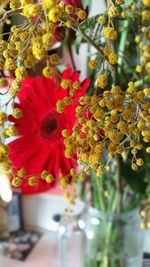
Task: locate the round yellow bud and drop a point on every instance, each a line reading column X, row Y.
column 148, row 149
column 48, row 71
column 139, row 162
column 16, row 181
column 65, row 83
column 54, row 59
column 21, row 172
column 3, row 118
column 139, row 68
column 81, row 14
column 44, row 174
column 69, row 23
column 102, row 80
column 69, row 9
column 49, row 178
column 48, row 4
column 92, row 64
column 101, row 20
column 113, row 58
column 32, row 181
column 134, row 167
column 54, row 14
column 17, row 113
column 82, row 176
column 65, row 133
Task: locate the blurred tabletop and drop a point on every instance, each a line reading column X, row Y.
column 45, row 252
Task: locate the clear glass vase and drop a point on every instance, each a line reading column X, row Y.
column 72, row 238
column 113, row 240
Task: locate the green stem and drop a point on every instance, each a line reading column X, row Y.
column 71, row 56
column 10, row 13
column 81, row 190
column 109, row 228
column 140, row 83
column 118, row 189
column 95, row 195
column 99, row 191
column 122, row 44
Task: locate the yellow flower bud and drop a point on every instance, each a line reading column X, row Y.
column 101, row 20
column 48, row 4
column 16, row 181
column 102, row 80
column 3, row 118
column 32, row 181
column 17, row 113
column 21, row 172
column 49, row 71
column 54, row 14
column 69, row 9
column 49, row 178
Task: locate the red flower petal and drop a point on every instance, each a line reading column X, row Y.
column 40, row 145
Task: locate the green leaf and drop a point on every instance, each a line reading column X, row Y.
column 78, row 42
column 134, row 178
column 92, row 28
column 89, row 22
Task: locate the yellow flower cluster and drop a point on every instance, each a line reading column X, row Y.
column 48, row 4
column 5, row 163
column 32, row 180
column 113, row 58
column 142, row 39
column 92, row 64
column 11, row 130
column 45, row 175
column 112, row 11
column 72, row 87
column 102, row 80
column 112, row 126
column 31, row 10
column 110, row 33
column 31, row 42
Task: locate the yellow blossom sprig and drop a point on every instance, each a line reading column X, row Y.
column 68, row 182
column 113, row 131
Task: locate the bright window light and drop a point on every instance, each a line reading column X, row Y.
column 5, row 188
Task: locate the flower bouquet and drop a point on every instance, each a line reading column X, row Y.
column 102, row 123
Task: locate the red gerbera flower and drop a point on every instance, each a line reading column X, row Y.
column 74, row 3
column 40, row 144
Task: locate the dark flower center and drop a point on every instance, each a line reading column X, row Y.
column 49, row 125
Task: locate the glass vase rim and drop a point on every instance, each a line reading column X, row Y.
column 116, row 215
